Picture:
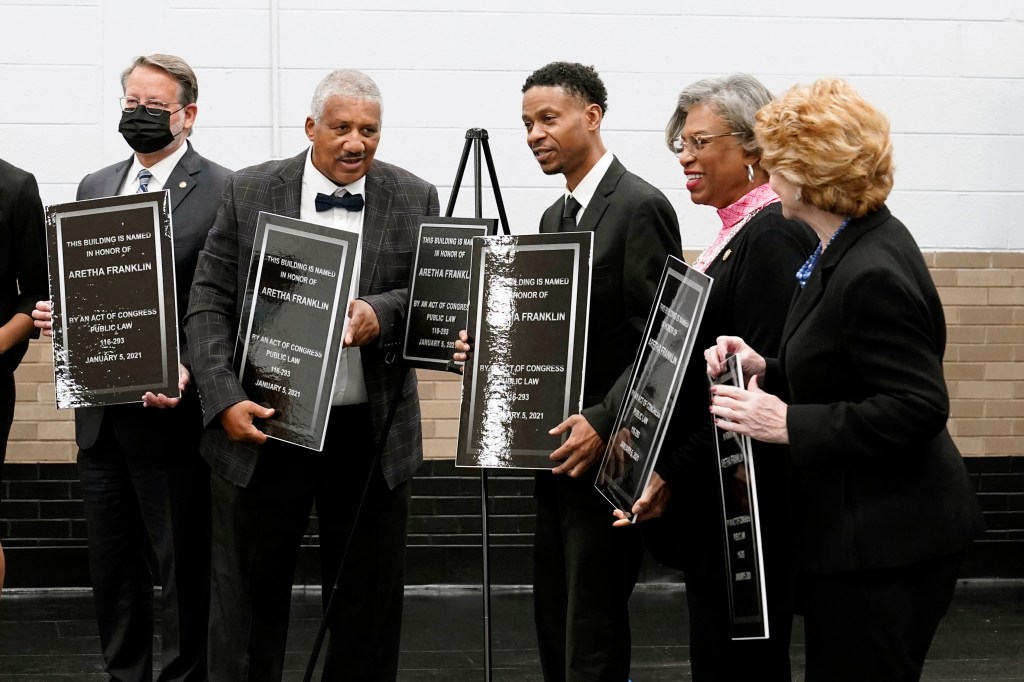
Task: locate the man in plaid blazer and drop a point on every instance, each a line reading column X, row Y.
column 263, row 489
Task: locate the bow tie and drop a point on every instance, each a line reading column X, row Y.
column 350, row 202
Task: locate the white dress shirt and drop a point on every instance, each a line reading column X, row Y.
column 349, row 385
column 584, row 191
column 161, row 171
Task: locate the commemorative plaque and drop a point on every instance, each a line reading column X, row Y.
column 115, row 321
column 528, row 310
column 643, row 419
column 748, row 601
column 439, row 290
column 291, row 332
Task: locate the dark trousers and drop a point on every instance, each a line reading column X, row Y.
column 714, row 655
column 875, row 625
column 148, row 504
column 257, row 534
column 584, row 573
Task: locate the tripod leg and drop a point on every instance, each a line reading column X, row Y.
column 494, row 184
column 325, row 619
column 458, row 178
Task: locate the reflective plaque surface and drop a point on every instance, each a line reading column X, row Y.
column 529, row 301
column 748, row 600
column 439, row 291
column 643, row 419
column 291, row 332
column 115, row 321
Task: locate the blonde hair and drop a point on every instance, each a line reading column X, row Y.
column 827, row 140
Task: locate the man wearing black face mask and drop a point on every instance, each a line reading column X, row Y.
column 144, row 485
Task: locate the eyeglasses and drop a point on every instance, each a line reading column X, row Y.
column 153, row 107
column 695, row 143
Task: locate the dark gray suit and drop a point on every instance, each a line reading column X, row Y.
column 144, row 483
column 584, row 569
column 262, row 494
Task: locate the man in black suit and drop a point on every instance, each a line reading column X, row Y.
column 263, row 489
column 144, row 485
column 22, row 283
column 585, row 570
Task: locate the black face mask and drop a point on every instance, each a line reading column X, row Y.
column 144, row 132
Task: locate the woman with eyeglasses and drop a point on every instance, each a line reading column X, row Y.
column 883, row 507
column 753, row 260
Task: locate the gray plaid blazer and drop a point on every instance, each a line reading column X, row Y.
column 395, row 200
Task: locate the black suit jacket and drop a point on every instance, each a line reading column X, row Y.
column 754, row 283
column 23, row 279
column 878, row 480
column 395, row 202
column 195, row 184
column 635, row 229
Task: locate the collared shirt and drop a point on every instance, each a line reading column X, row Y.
column 584, row 191
column 734, row 217
column 161, row 171
column 349, row 385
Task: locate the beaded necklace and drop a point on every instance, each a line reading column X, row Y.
column 804, row 273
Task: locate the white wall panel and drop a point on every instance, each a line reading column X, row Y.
column 950, row 75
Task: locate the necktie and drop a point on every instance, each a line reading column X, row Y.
column 144, row 177
column 572, row 207
column 349, row 202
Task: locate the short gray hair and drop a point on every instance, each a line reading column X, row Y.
column 735, row 98
column 344, row 83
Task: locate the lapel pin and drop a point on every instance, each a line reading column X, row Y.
column 182, row 184
column 728, row 252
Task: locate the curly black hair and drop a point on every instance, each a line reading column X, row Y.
column 576, row 79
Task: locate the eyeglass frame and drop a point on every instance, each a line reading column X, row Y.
column 144, row 105
column 700, row 141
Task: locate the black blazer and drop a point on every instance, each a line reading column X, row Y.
column 195, row 184
column 878, row 480
column 395, row 202
column 754, row 282
column 23, row 279
column 635, row 228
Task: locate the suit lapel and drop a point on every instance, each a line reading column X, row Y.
column 805, row 300
column 600, row 201
column 286, row 197
column 115, row 181
column 183, row 179
column 375, row 221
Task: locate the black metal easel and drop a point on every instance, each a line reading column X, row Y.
column 476, row 139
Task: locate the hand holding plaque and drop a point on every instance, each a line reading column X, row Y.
column 528, row 308
column 114, row 314
column 289, row 340
column 643, row 418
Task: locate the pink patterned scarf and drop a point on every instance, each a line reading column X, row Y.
column 735, row 216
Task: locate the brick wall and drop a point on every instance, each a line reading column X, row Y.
column 983, row 294
column 41, row 519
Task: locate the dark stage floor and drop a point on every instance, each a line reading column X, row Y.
column 49, row 636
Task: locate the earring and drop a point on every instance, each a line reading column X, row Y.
column 796, row 197
column 750, row 173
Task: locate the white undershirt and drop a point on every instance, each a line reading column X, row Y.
column 349, row 385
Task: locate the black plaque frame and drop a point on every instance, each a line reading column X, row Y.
column 494, row 422
column 744, row 556
column 439, row 289
column 643, row 419
column 112, row 288
column 300, row 319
